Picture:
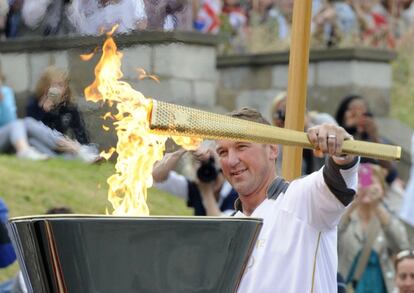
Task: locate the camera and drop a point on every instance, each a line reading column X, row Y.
column 207, row 172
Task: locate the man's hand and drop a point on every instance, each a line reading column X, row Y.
column 328, row 139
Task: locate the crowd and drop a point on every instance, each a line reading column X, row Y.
column 375, row 230
column 251, row 25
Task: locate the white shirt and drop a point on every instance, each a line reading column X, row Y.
column 296, row 250
column 177, row 185
column 90, row 19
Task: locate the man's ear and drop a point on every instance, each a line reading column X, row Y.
column 274, row 151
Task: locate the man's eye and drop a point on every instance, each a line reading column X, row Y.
column 222, row 153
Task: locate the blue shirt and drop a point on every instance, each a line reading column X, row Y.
column 7, row 106
column 7, row 254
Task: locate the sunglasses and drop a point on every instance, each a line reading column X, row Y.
column 279, row 114
column 403, row 254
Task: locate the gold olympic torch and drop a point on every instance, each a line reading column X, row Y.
column 170, row 119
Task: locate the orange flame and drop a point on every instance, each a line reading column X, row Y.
column 137, row 148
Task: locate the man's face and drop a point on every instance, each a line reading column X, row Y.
column 247, row 166
column 405, row 276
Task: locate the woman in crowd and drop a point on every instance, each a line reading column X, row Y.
column 404, row 271
column 52, row 104
column 31, row 139
column 13, row 132
column 354, row 115
column 368, row 233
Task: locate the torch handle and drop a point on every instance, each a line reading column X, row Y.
column 175, row 120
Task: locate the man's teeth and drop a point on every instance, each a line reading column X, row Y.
column 238, row 172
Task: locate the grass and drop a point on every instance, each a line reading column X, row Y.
column 30, row 188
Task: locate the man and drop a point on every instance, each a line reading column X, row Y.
column 296, row 248
column 209, row 193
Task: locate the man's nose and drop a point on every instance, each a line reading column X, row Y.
column 233, row 158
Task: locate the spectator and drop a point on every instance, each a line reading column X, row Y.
column 92, row 17
column 368, row 233
column 209, row 194
column 4, row 10
column 13, row 132
column 234, row 23
column 7, row 254
column 312, row 161
column 374, row 23
column 335, row 24
column 169, row 15
column 52, row 103
column 269, row 25
column 300, row 217
column 14, row 19
column 45, row 17
column 31, row 139
column 353, row 114
column 404, row 268
column 407, row 209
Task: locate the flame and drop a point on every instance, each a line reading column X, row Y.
column 137, row 148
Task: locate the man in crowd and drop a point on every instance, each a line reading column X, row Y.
column 208, row 193
column 296, row 250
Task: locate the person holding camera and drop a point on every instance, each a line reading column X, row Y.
column 368, row 234
column 209, row 194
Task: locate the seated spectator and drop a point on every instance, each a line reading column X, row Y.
column 335, row 24
column 52, row 103
column 45, row 17
column 354, row 115
column 374, row 23
column 31, row 139
column 92, row 17
column 368, row 233
column 169, row 15
column 4, row 10
column 407, row 209
column 269, row 25
column 7, row 254
column 404, row 271
column 14, row 19
column 234, row 23
column 209, row 194
column 13, row 133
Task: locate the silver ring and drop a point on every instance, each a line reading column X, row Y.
column 332, row 136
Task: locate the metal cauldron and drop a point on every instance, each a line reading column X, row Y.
column 73, row 253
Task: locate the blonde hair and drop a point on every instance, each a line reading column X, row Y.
column 45, row 80
column 279, row 97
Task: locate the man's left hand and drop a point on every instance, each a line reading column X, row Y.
column 328, row 139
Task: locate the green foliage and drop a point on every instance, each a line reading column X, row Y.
column 402, row 92
column 30, row 188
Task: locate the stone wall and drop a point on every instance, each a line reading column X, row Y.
column 192, row 74
column 254, row 80
column 184, row 62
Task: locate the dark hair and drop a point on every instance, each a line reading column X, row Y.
column 343, row 107
column 59, row 210
column 250, row 114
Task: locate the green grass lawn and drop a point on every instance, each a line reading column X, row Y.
column 30, row 188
